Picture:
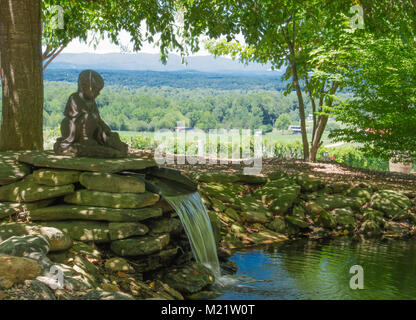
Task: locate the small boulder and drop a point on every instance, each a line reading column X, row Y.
column 309, row 183
column 25, row 245
column 360, row 193
column 115, row 265
column 389, row 202
column 189, row 279
column 14, row 270
column 253, row 210
column 277, row 225
column 297, row 221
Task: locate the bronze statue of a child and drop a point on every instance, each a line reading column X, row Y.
column 83, row 132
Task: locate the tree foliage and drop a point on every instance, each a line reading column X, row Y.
column 161, row 20
column 381, row 114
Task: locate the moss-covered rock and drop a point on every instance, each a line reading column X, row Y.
column 297, row 221
column 285, row 199
column 27, row 190
column 76, row 212
column 10, row 169
column 228, row 192
column 47, row 159
column 319, row 215
column 155, row 261
column 365, row 194
column 330, row 202
column 253, row 210
column 217, row 205
column 112, row 200
column 114, row 183
column 231, row 213
column 278, row 225
column 390, row 202
column 25, row 245
column 164, row 225
column 138, row 246
column 309, row 183
column 189, row 279
column 298, row 211
column 57, row 239
column 272, row 189
column 56, row 177
column 339, row 187
column 99, row 232
column 118, row 265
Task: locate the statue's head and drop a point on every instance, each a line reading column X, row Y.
column 90, row 83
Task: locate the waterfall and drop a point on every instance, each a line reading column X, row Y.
column 197, row 225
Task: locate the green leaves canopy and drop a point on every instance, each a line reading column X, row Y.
column 108, row 18
column 382, row 112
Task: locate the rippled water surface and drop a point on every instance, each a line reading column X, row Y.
column 320, row 270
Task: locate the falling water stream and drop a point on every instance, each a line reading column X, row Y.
column 197, row 225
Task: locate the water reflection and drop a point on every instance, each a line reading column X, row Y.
column 320, row 270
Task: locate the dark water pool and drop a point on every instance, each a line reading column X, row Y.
column 321, row 270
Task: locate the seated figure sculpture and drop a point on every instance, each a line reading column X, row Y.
column 83, row 132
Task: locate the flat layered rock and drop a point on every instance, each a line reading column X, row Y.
column 10, row 208
column 100, row 232
column 56, row 177
column 140, row 246
column 51, row 160
column 10, row 169
column 74, row 212
column 112, row 200
column 100, row 181
column 27, row 190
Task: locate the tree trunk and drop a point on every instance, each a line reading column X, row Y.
column 22, row 78
column 301, row 108
column 322, row 121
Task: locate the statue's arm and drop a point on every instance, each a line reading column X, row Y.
column 72, row 109
column 103, row 125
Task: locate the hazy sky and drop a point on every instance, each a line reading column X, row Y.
column 105, row 46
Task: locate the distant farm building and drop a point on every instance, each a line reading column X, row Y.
column 182, row 129
column 295, row 129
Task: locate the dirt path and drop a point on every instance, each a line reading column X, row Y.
column 327, row 171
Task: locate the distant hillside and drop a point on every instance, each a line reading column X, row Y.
column 147, row 61
column 247, row 81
